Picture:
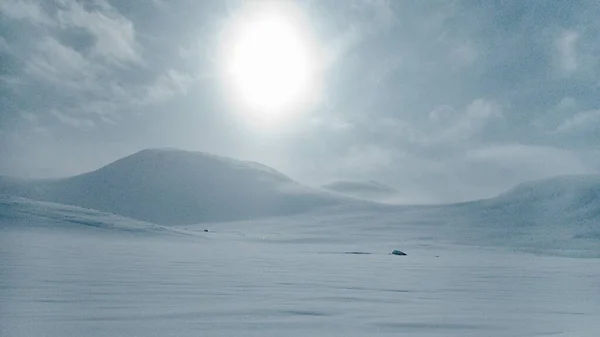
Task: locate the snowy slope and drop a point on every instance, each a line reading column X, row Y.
column 21, row 213
column 291, row 276
column 573, row 198
column 179, row 187
column 369, row 190
column 559, row 215
column 563, row 202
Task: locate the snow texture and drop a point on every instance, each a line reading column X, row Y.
column 288, row 276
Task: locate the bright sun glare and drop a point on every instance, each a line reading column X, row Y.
column 270, row 60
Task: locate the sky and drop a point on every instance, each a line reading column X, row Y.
column 443, row 100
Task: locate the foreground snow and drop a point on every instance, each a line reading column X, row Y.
column 280, row 277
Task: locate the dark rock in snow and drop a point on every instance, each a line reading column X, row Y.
column 397, row 252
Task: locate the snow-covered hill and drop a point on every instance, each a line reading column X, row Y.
column 558, row 201
column 21, row 213
column 559, row 215
column 369, row 190
column 178, row 187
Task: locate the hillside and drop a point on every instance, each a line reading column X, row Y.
column 560, row 200
column 179, row 187
column 21, row 213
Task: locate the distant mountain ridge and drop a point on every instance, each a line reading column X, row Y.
column 167, row 186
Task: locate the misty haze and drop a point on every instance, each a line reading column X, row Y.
column 299, row 168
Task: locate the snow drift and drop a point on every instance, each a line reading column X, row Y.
column 178, row 187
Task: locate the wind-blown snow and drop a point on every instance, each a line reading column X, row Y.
column 369, row 190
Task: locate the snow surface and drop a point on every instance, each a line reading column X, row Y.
column 321, row 273
column 301, row 263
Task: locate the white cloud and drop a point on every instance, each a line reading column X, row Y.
column 567, row 55
column 448, row 126
column 566, row 103
column 74, row 122
column 4, row 46
column 29, row 117
column 24, row 10
column 168, row 85
column 442, row 114
column 464, row 54
column 361, row 20
column 88, row 84
column 453, row 128
column 60, row 65
column 581, row 120
column 114, row 34
column 382, row 11
column 477, row 115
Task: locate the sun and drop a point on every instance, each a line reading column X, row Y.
column 270, row 64
column 269, row 59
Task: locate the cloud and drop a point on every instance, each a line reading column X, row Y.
column 580, row 121
column 566, row 103
column 448, row 126
column 24, row 10
column 567, row 53
column 477, row 116
column 4, row 46
column 114, row 34
column 28, row 116
column 86, row 59
column 357, row 23
column 61, row 66
column 75, row 122
column 168, row 85
column 464, row 54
